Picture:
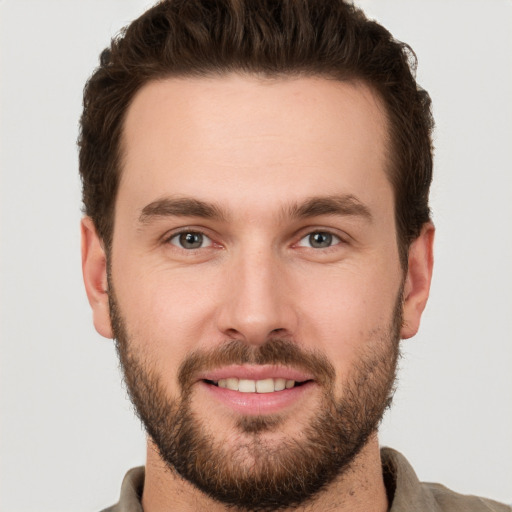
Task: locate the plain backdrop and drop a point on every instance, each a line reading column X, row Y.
column 67, row 430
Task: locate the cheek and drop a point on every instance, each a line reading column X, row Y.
column 351, row 312
column 166, row 316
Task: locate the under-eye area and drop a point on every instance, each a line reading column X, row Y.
column 256, row 386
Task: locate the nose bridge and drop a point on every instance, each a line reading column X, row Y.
column 256, row 305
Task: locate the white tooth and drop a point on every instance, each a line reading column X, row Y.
column 247, row 386
column 290, row 384
column 265, row 386
column 279, row 384
column 222, row 383
column 232, row 383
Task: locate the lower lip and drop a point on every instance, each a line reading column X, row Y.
column 258, row 403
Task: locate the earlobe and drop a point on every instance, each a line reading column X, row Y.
column 418, row 279
column 94, row 270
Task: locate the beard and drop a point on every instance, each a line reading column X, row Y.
column 254, row 473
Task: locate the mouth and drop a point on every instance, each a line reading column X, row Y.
column 269, row 385
column 257, row 390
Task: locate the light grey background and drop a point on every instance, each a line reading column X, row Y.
column 67, row 432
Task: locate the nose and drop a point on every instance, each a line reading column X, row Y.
column 257, row 301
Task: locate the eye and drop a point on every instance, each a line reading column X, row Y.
column 190, row 240
column 319, row 240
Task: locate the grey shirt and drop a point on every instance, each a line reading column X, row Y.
column 406, row 493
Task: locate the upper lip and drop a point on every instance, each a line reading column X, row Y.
column 255, row 372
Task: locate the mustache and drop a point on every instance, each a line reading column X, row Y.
column 275, row 351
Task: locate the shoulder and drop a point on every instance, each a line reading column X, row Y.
column 131, row 492
column 407, row 493
column 449, row 500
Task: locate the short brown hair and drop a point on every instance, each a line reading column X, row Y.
column 326, row 38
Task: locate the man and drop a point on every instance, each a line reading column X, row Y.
column 257, row 241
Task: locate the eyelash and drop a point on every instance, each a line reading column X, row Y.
column 335, row 239
column 332, row 239
column 175, row 236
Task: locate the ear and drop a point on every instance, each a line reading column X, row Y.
column 94, row 269
column 417, row 282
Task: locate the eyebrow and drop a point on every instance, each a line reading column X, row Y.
column 180, row 207
column 346, row 205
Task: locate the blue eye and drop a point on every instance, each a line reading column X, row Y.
column 319, row 240
column 190, row 240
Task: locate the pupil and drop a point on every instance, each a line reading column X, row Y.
column 191, row 240
column 320, row 240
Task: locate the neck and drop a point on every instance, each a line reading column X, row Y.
column 360, row 488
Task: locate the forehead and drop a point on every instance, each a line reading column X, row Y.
column 251, row 136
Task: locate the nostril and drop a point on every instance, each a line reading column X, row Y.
column 233, row 334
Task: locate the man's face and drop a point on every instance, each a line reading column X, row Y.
column 255, row 282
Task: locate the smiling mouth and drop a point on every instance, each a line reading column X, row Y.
column 255, row 386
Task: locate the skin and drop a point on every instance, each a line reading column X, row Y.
column 255, row 148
